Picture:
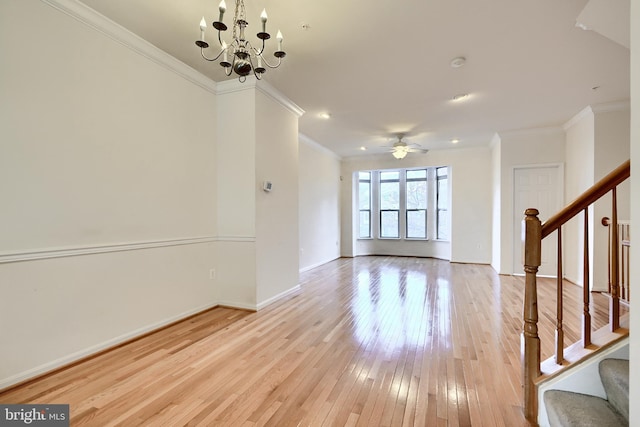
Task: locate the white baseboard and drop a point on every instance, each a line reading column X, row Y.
column 238, row 305
column 281, row 295
column 318, row 264
column 73, row 357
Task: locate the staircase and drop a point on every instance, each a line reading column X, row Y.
column 592, row 343
column 567, row 409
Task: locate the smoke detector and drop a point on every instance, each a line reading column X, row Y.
column 458, row 62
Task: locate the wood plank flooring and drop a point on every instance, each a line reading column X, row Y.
column 370, row 341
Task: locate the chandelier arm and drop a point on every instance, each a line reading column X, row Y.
column 231, row 67
column 259, row 52
column 269, row 65
column 210, row 59
column 254, row 69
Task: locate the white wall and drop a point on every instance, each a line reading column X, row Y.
column 635, row 206
column 319, row 207
column 542, row 146
column 236, row 191
column 277, row 263
column 597, row 142
column 108, row 189
column 258, row 232
column 496, row 201
column 611, row 138
column 579, row 173
column 470, row 201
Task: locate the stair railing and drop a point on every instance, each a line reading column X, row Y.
column 624, row 247
column 534, row 231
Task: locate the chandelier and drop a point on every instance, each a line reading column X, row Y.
column 240, row 56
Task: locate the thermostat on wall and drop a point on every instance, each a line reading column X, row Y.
column 267, row 186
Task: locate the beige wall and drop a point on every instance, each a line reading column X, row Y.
column 580, row 151
column 611, row 149
column 108, row 190
column 496, row 201
column 319, row 204
column 277, row 263
column 597, row 142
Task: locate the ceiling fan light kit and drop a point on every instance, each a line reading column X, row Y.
column 245, row 59
column 400, row 152
column 400, row 149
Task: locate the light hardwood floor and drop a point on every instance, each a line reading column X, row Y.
column 370, row 341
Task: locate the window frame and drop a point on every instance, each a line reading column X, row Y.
column 433, row 215
column 368, row 211
column 381, row 211
column 445, row 209
column 407, row 180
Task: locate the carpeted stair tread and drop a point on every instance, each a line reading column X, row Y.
column 568, row 409
column 614, row 374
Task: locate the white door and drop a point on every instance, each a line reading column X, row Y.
column 540, row 188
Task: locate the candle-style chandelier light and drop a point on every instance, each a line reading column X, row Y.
column 245, row 59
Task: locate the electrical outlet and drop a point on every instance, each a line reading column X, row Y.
column 212, row 273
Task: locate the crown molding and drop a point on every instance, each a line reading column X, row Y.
column 609, row 107
column 279, row 97
column 310, row 142
column 234, row 85
column 251, row 82
column 606, row 107
column 530, row 131
column 118, row 33
column 578, row 117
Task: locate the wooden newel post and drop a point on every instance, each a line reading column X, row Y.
column 532, row 235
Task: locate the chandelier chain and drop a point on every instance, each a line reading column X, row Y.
column 238, row 15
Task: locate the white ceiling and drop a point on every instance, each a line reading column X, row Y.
column 383, row 67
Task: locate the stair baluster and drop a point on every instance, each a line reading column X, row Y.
column 534, row 232
column 586, row 288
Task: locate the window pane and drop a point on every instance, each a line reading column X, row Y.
column 364, row 175
column 443, row 193
column 417, row 195
column 443, row 225
column 389, row 195
column 422, row 173
column 442, row 171
column 417, row 224
column 389, row 224
column 364, row 196
column 365, row 224
column 385, row 176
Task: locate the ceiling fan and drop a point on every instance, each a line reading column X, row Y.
column 400, row 148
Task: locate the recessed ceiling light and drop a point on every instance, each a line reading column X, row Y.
column 458, row 62
column 455, row 141
column 325, row 115
column 363, row 148
column 460, row 97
